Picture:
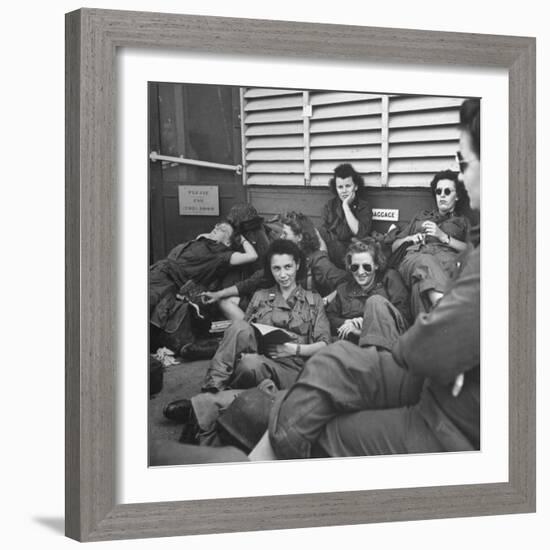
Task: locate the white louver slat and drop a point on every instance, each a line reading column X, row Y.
column 398, row 141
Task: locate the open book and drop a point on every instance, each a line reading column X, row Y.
column 266, row 335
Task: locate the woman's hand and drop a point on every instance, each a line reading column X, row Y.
column 349, row 199
column 210, row 297
column 417, row 238
column 350, row 326
column 328, row 298
column 358, row 323
column 433, row 230
column 281, row 350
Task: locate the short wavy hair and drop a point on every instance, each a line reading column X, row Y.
column 282, row 246
column 462, row 206
column 344, row 171
column 370, row 245
column 303, row 226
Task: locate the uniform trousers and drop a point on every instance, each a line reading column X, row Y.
column 425, row 272
column 350, row 401
column 237, row 363
column 382, row 323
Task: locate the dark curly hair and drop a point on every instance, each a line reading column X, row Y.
column 344, row 171
column 462, row 207
column 282, row 246
column 370, row 245
column 302, row 225
column 470, row 122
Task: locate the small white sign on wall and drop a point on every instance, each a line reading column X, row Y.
column 385, row 214
column 198, row 200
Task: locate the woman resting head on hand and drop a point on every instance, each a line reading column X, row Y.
column 348, row 215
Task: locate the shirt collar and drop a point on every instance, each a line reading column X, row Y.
column 276, row 297
column 355, row 290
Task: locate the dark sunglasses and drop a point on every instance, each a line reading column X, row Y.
column 447, row 191
column 368, row 268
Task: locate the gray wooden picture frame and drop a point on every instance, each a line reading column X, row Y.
column 92, row 39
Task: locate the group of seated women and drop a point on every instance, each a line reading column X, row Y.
column 327, row 284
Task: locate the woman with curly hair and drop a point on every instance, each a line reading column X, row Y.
column 320, row 274
column 286, row 304
column 433, row 241
column 347, row 214
column 371, row 309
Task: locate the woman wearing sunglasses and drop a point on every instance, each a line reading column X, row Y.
column 433, row 240
column 421, row 397
column 370, row 309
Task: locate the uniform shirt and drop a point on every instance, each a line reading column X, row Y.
column 322, row 276
column 350, row 298
column 335, row 226
column 306, row 319
column 203, row 260
column 455, row 226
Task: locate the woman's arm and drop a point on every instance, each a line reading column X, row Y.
column 291, row 349
column 351, row 220
column 455, row 244
column 417, row 238
column 216, row 296
column 307, row 350
column 434, row 230
column 242, row 288
column 249, row 255
column 363, row 213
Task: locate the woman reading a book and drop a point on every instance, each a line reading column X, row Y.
column 250, row 351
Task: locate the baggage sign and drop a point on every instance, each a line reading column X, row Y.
column 385, row 214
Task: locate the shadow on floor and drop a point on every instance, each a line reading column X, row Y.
column 54, row 524
column 183, row 380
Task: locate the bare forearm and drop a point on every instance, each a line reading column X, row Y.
column 307, row 350
column 351, row 220
column 249, row 255
column 227, row 292
column 457, row 245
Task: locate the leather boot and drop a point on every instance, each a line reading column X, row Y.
column 178, row 411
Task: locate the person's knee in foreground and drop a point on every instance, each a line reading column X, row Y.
column 442, row 346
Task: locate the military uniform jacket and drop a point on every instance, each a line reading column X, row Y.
column 303, row 313
column 335, row 226
column 350, row 298
column 452, row 224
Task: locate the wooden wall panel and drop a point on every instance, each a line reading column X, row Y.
column 269, row 201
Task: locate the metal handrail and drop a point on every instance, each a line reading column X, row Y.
column 154, row 156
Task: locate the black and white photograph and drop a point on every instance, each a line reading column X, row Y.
column 314, row 274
